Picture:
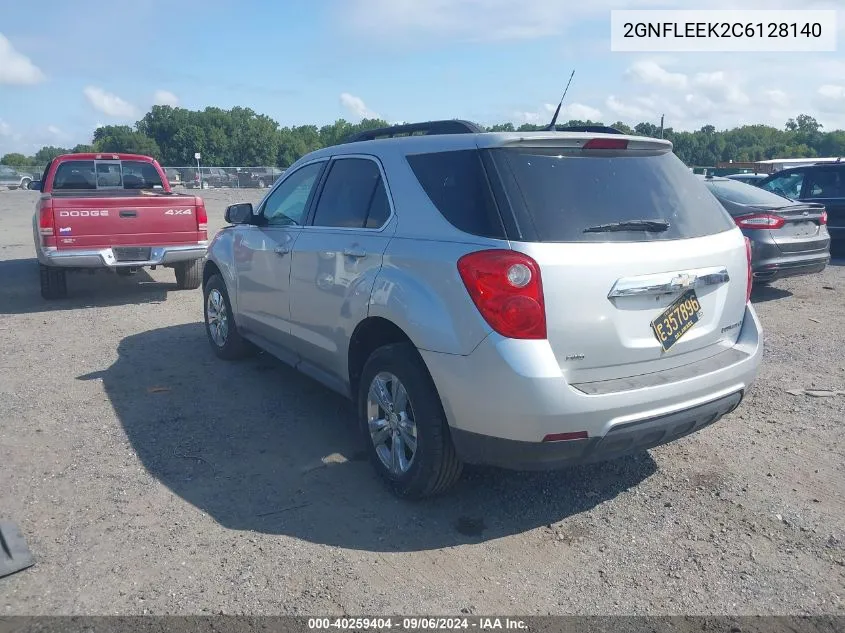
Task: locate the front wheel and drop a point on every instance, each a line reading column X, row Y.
column 188, row 274
column 25, row 182
column 220, row 325
column 403, row 424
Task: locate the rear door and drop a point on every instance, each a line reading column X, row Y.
column 97, row 204
column 607, row 287
column 826, row 185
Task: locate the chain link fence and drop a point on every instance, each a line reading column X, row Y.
column 19, row 177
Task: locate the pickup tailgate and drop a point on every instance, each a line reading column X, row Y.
column 94, row 221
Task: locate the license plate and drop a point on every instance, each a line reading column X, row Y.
column 677, row 319
column 131, row 254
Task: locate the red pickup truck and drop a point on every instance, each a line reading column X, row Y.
column 115, row 212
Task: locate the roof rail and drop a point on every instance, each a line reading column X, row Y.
column 597, row 129
column 451, row 126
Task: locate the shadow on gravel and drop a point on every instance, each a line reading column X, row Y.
column 260, row 447
column 20, row 291
column 761, row 293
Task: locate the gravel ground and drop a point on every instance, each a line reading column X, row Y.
column 149, row 477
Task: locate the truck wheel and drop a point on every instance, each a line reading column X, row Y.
column 220, row 325
column 403, row 424
column 25, row 182
column 53, row 282
column 189, row 275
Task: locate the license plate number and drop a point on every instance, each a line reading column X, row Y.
column 677, row 319
column 131, row 254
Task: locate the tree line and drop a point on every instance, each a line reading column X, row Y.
column 242, row 137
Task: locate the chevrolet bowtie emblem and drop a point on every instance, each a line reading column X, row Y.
column 683, row 281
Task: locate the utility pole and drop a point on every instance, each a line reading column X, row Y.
column 661, row 126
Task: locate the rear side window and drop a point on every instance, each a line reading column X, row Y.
column 564, row 196
column 825, row 183
column 456, row 183
column 353, row 197
column 89, row 174
column 742, row 193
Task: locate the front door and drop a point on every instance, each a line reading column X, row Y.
column 335, row 261
column 263, row 256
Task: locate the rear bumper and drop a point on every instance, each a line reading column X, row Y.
column 790, row 266
column 502, row 400
column 105, row 258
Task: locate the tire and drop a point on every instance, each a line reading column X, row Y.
column 53, row 282
column 188, row 274
column 261, row 184
column 232, row 346
column 434, row 466
column 25, row 182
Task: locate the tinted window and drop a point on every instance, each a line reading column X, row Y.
column 787, row 185
column 353, row 196
column 287, row 204
column 742, row 193
column 456, row 184
column 88, row 174
column 557, row 195
column 825, row 183
column 75, row 174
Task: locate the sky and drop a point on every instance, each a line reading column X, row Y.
column 68, row 67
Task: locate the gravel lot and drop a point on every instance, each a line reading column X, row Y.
column 149, row 477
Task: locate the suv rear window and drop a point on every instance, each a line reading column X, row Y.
column 557, row 195
column 89, row 174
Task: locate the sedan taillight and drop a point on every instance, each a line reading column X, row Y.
column 760, row 221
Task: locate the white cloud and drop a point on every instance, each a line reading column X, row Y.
column 15, row 67
column 5, row 129
column 830, row 91
column 652, row 73
column 722, row 87
column 165, row 97
column 569, row 112
column 109, row 104
column 777, row 97
column 356, row 106
column 630, row 111
column 55, row 131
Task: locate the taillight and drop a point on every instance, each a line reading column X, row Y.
column 823, row 218
column 750, row 272
column 760, row 221
column 47, row 225
column 507, row 290
column 606, row 143
column 202, row 216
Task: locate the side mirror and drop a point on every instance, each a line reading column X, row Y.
column 35, row 185
column 239, row 213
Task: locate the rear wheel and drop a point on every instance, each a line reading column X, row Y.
column 220, row 325
column 403, row 424
column 189, row 275
column 53, row 282
column 25, row 182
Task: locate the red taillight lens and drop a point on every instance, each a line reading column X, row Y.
column 759, row 221
column 606, row 143
column 750, row 272
column 823, row 218
column 202, row 216
column 47, row 225
column 507, row 290
column 566, row 437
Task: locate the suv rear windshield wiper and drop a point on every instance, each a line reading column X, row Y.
column 649, row 226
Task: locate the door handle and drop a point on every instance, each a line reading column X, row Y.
column 282, row 250
column 355, row 252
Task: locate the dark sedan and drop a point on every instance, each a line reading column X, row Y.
column 787, row 237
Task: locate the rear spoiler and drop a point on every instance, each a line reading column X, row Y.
column 568, row 140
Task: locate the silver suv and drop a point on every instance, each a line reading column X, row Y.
column 523, row 300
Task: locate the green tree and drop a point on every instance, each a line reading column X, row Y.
column 48, row 153
column 83, row 149
column 122, row 138
column 15, row 159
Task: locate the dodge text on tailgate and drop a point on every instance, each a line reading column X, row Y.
column 115, row 212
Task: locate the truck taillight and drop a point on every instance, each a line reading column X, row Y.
column 47, row 225
column 202, row 216
column 507, row 290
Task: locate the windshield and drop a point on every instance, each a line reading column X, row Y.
column 741, row 193
column 562, row 196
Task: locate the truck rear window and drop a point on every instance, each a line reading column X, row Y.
column 111, row 174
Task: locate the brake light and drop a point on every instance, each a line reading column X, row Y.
column 823, row 218
column 606, row 143
column 202, row 216
column 750, row 272
column 507, row 290
column 46, row 224
column 760, row 221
